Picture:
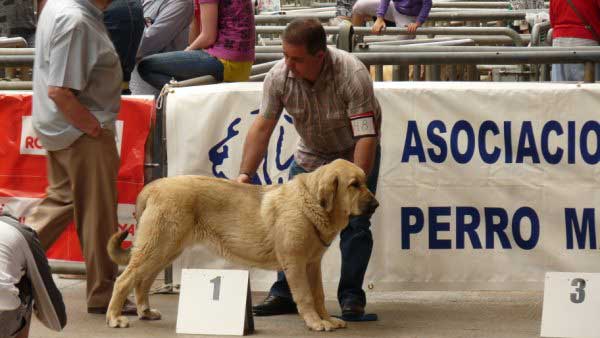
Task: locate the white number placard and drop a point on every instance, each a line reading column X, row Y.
column 214, row 302
column 571, row 305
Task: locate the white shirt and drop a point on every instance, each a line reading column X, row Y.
column 12, row 266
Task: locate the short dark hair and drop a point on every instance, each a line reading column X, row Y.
column 306, row 32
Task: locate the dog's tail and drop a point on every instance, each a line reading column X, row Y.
column 115, row 251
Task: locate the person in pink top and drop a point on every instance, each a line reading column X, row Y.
column 221, row 44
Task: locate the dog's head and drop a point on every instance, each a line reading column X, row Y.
column 342, row 188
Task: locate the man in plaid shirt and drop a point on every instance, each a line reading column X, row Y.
column 329, row 93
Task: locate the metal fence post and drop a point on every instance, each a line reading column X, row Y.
column 590, row 72
column 432, row 72
column 378, row 72
column 399, row 73
column 544, row 72
column 416, row 72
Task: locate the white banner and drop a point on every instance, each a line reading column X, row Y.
column 482, row 185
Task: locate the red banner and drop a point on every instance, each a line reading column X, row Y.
column 23, row 163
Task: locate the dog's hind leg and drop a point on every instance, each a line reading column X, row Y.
column 142, row 300
column 315, row 281
column 168, row 254
column 122, row 287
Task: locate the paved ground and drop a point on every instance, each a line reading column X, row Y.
column 401, row 314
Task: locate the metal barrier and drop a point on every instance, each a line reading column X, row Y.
column 279, row 19
column 425, row 46
column 472, row 49
column 17, row 51
column 16, row 60
column 477, row 15
column 456, row 31
column 436, row 55
column 279, row 29
column 462, row 15
column 589, row 56
column 539, row 34
column 489, row 40
column 14, row 43
column 17, row 42
column 348, row 34
column 263, row 67
column 16, row 85
column 71, row 268
column 471, row 4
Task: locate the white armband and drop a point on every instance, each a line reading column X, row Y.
column 363, row 124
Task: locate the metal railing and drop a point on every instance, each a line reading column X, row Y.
column 537, row 56
column 429, row 31
column 435, row 16
column 455, row 31
column 12, row 42
column 12, row 45
column 16, row 51
column 16, row 60
column 429, row 55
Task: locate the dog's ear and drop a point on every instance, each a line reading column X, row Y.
column 327, row 189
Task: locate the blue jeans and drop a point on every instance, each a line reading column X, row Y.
column 356, row 244
column 124, row 20
column 571, row 72
column 158, row 69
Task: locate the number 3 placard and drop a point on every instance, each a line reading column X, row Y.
column 214, row 302
column 571, row 305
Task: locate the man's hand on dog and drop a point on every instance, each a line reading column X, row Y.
column 243, row 178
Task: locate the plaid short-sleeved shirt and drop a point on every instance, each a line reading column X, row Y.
column 323, row 112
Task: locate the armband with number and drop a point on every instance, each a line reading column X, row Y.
column 363, row 125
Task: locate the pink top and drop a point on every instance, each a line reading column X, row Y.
column 235, row 29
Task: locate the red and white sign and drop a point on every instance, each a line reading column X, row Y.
column 30, row 143
column 23, row 164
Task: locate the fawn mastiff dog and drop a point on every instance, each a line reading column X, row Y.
column 278, row 227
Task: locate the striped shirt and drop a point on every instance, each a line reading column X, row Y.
column 344, row 7
column 323, row 111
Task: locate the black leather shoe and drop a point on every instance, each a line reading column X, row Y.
column 352, row 311
column 275, row 305
column 129, row 309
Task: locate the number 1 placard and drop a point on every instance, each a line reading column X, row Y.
column 571, row 305
column 214, row 302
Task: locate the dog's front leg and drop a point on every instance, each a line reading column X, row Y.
column 296, row 274
column 315, row 280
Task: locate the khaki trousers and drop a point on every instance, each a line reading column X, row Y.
column 82, row 187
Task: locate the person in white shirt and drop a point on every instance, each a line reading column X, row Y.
column 26, row 283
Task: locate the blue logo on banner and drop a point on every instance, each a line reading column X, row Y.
column 220, row 152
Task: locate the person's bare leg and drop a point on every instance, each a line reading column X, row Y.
column 358, row 20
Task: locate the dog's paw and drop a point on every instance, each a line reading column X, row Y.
column 321, row 325
column 150, row 314
column 118, row 322
column 337, row 323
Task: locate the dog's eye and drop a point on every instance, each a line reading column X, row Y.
column 355, row 184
